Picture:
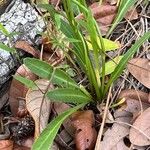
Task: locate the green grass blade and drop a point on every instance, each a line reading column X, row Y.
column 3, row 30
column 120, row 67
column 122, row 10
column 28, row 83
column 45, row 141
column 68, row 95
column 6, row 48
column 44, row 70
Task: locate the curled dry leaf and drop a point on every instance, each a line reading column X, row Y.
column 142, row 123
column 140, row 69
column 6, row 145
column 25, row 46
column 18, row 90
column 85, row 136
column 38, row 104
column 134, row 94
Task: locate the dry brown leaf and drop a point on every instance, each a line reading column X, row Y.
column 66, row 134
column 113, row 136
column 131, row 14
column 142, row 123
column 3, row 100
column 27, row 142
column 38, row 104
column 18, row 147
column 55, row 2
column 85, row 136
column 140, row 69
column 135, row 107
column 134, row 94
column 6, row 145
column 120, row 146
column 58, row 108
column 104, row 15
column 25, row 46
column 64, row 139
column 47, row 45
column 18, row 90
column 112, row 2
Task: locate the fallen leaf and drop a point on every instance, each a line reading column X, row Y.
column 55, row 146
column 47, row 45
column 120, row 146
column 55, row 2
column 85, row 135
column 6, row 145
column 140, row 69
column 3, row 100
column 18, row 147
column 58, row 108
column 25, row 46
column 111, row 2
column 27, row 142
column 104, row 15
column 38, row 105
column 118, row 131
column 135, row 107
column 18, row 90
column 131, row 14
column 142, row 123
column 64, row 139
column 134, row 94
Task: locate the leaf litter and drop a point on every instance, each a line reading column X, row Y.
column 131, row 120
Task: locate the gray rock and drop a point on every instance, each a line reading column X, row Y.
column 19, row 17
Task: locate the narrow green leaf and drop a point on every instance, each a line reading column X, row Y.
column 120, row 67
column 3, row 30
column 122, row 10
column 6, row 48
column 45, row 141
column 28, row 83
column 68, row 95
column 12, row 34
column 44, row 70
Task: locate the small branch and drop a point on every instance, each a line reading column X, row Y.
column 97, row 147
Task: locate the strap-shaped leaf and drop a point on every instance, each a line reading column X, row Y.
column 6, row 48
column 123, row 8
column 123, row 62
column 45, row 141
column 3, row 30
column 44, row 70
column 25, row 81
column 69, row 95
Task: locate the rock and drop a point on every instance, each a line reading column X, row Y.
column 18, row 17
